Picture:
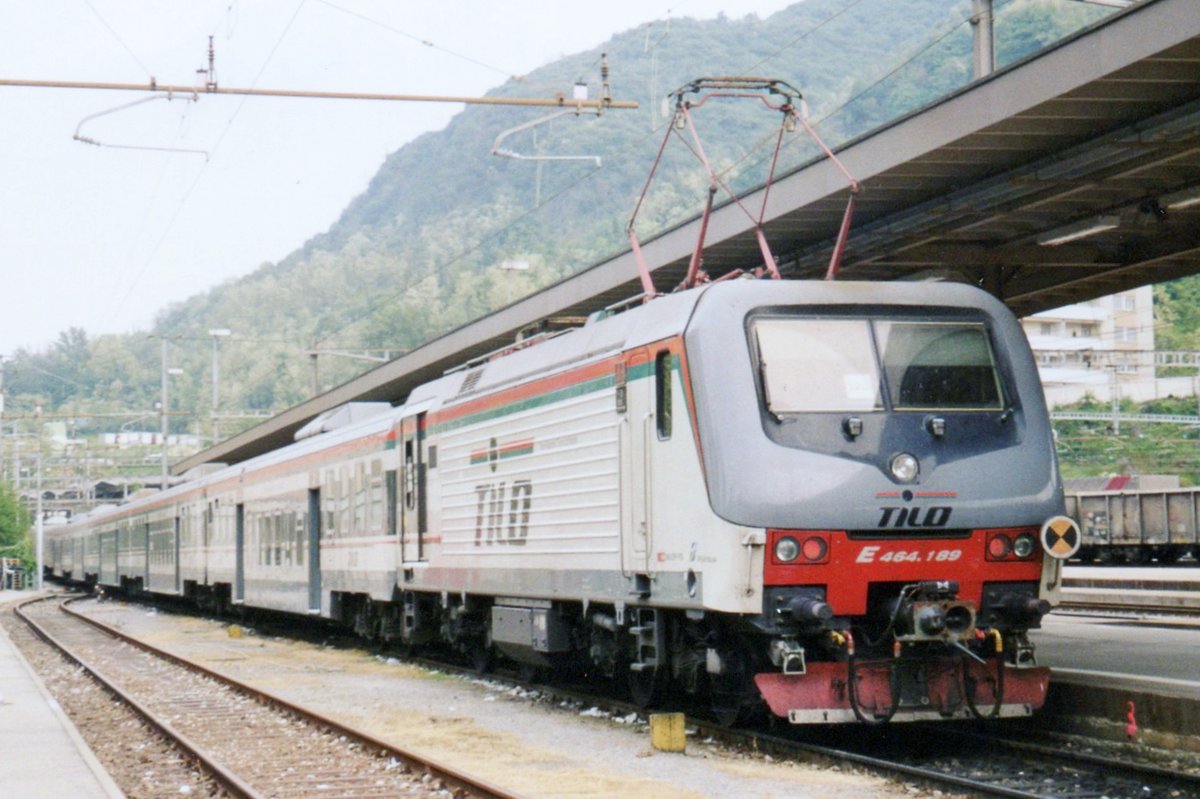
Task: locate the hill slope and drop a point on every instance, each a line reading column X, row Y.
column 419, row 252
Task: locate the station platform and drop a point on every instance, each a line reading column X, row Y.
column 42, row 755
column 1167, row 589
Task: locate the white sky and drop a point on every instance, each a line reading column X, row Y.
column 102, row 237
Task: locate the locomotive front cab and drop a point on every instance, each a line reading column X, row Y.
column 903, row 473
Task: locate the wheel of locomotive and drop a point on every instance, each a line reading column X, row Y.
column 528, row 672
column 732, row 691
column 646, row 687
column 403, row 648
column 480, row 655
column 364, row 619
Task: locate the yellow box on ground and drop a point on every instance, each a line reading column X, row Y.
column 666, row 732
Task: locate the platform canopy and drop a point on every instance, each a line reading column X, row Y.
column 1072, row 174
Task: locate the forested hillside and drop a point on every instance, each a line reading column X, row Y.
column 420, row 251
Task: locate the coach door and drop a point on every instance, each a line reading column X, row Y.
column 178, row 539
column 108, row 557
column 208, row 535
column 314, row 550
column 410, row 440
column 239, row 544
column 146, row 560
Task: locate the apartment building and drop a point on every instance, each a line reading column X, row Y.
column 1096, row 348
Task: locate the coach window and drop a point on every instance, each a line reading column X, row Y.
column 329, row 502
column 390, row 484
column 663, row 364
column 346, row 500
column 256, row 522
column 299, row 530
column 410, row 476
column 360, row 498
column 287, row 523
column 376, row 496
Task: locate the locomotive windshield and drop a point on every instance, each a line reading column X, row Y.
column 842, row 365
column 818, row 365
column 938, row 366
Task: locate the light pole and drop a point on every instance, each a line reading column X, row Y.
column 3, row 464
column 983, row 37
column 40, row 516
column 163, row 410
column 162, row 413
column 217, row 334
column 512, row 266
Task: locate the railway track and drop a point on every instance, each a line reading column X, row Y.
column 962, row 759
column 991, row 764
column 253, row 744
column 998, row 762
column 1016, row 760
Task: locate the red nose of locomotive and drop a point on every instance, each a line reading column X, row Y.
column 872, row 628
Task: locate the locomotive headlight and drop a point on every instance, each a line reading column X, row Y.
column 786, row 549
column 1023, row 546
column 905, row 467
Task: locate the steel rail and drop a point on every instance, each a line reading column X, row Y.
column 1188, row 778
column 461, row 783
column 760, row 741
column 227, row 779
column 1132, row 614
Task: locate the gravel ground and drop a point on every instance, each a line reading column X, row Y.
column 142, row 764
column 506, row 735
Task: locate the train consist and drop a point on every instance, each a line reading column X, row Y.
column 835, row 500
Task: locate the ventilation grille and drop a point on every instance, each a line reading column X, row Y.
column 470, row 381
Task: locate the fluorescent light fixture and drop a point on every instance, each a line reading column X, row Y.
column 1078, row 230
column 1181, row 199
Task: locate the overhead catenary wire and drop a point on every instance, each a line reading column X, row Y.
column 584, row 178
column 79, row 137
column 422, row 41
column 521, row 219
column 178, row 210
column 379, row 303
column 925, row 48
column 753, row 68
column 537, row 102
column 120, row 41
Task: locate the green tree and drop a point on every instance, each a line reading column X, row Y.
column 14, row 528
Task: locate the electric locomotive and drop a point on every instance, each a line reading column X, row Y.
column 837, row 501
column 825, row 495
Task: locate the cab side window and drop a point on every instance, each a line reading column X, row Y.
column 663, row 365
